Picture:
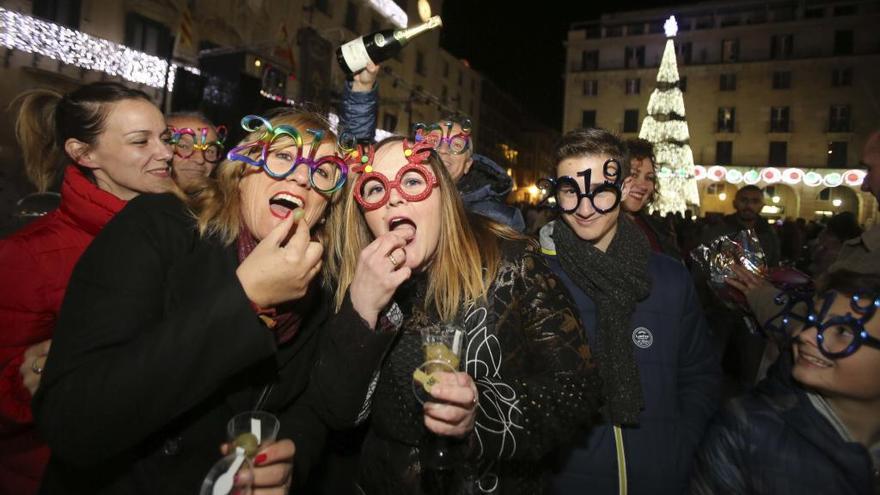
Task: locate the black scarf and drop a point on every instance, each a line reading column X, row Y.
column 615, row 280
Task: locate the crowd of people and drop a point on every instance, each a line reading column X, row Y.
column 185, row 279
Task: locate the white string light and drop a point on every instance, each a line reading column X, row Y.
column 670, row 136
column 30, row 35
column 391, row 11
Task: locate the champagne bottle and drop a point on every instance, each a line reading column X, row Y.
column 379, row 46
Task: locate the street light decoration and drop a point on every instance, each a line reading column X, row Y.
column 671, row 27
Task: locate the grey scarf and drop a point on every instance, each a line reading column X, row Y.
column 616, row 281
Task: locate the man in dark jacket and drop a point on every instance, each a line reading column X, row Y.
column 482, row 183
column 660, row 375
column 735, row 339
column 813, row 425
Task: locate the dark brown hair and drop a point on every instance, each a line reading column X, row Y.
column 592, row 141
column 47, row 119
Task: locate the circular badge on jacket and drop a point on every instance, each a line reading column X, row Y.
column 642, row 337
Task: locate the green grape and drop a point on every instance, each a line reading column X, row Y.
column 248, row 442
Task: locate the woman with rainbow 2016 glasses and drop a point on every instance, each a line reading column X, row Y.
column 405, row 257
column 184, row 312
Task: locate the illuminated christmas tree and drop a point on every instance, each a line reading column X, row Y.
column 666, row 128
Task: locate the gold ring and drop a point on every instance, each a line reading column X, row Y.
column 36, row 369
column 392, row 259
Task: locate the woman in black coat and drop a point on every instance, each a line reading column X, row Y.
column 185, row 312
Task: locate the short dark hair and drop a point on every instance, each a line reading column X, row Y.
column 640, row 149
column 592, row 141
column 850, row 282
column 749, row 188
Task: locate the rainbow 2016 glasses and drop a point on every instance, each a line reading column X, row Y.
column 327, row 174
column 567, row 191
column 436, row 136
column 186, row 142
column 414, row 181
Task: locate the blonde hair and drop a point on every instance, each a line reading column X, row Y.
column 467, row 257
column 216, row 205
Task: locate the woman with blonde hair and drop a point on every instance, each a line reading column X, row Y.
column 406, row 257
column 108, row 142
column 187, row 311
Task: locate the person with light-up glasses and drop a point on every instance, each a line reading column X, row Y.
column 813, row 425
column 198, row 147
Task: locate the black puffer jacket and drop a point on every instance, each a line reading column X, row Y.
column 774, row 441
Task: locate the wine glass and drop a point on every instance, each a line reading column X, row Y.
column 247, row 433
column 442, row 347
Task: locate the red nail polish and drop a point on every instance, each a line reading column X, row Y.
column 260, row 459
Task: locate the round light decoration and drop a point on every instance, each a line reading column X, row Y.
column 812, row 179
column 771, row 175
column 792, row 175
column 854, row 177
column 700, row 172
column 717, row 173
column 751, row 177
column 833, row 179
column 734, row 176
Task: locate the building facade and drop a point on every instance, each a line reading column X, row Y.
column 785, row 84
column 231, row 58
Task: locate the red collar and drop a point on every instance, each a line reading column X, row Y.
column 88, row 206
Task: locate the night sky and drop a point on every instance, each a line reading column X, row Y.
column 520, row 48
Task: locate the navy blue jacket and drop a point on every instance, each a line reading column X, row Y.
column 774, row 441
column 483, row 189
column 680, row 379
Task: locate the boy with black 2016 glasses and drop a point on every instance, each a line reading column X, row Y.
column 661, row 376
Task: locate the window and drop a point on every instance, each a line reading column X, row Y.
column 323, row 6
column 631, row 120
column 588, row 118
column 838, row 118
column 841, row 10
column 686, row 51
column 351, row 17
column 147, row 35
column 634, row 56
column 634, row 29
column 778, row 153
column 837, row 154
column 707, row 22
column 683, row 83
column 814, row 13
column 779, row 121
column 841, row 77
column 592, row 32
column 420, row 63
column 730, row 20
column 613, row 31
column 784, row 13
column 633, row 86
column 724, row 152
column 389, row 122
column 64, row 12
column 590, row 60
column 726, row 119
column 728, row 82
column 782, row 80
column 729, row 50
column 781, row 46
column 843, row 42
column 591, row 88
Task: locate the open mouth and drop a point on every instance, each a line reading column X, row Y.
column 282, row 204
column 403, row 226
